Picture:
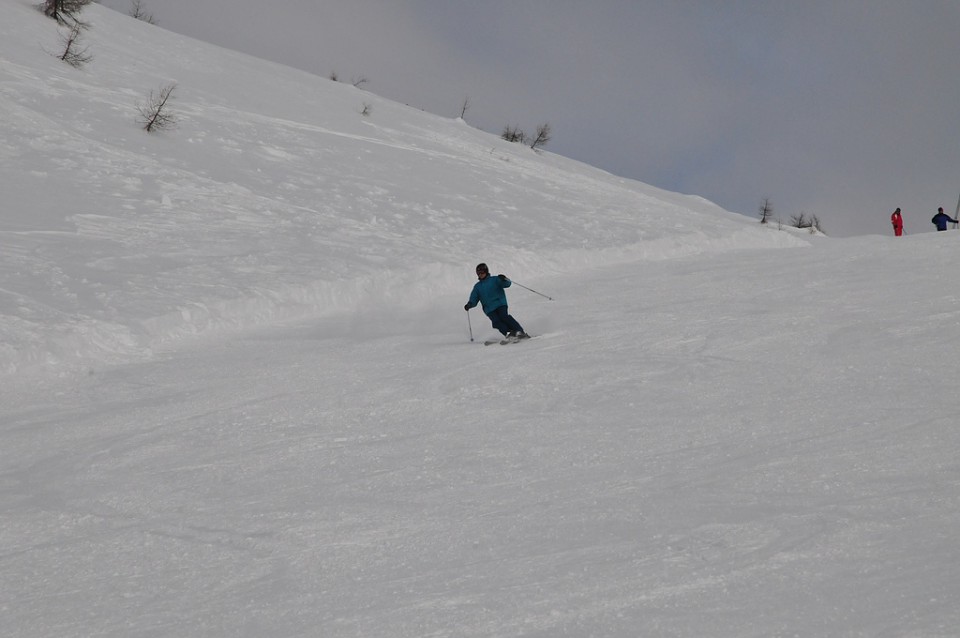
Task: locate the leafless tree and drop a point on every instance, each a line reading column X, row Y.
column 74, row 53
column 64, row 11
column 464, row 106
column 766, row 210
column 334, row 76
column 543, row 136
column 513, row 134
column 358, row 82
column 138, row 11
column 155, row 113
column 815, row 223
column 800, row 220
column 367, row 109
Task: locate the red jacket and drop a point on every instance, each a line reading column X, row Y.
column 897, row 220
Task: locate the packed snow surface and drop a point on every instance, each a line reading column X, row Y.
column 239, row 395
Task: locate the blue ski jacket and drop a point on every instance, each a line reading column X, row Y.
column 489, row 293
column 940, row 220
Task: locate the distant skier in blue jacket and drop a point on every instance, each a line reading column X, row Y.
column 941, row 218
column 489, row 292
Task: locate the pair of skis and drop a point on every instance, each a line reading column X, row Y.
column 505, row 340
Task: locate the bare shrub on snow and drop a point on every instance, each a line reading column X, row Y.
column 64, row 10
column 543, row 136
column 73, row 53
column 155, row 113
column 138, row 11
column 513, row 134
column 766, row 210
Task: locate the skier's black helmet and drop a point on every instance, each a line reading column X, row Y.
column 482, row 267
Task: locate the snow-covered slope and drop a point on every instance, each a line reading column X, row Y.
column 274, row 198
column 238, row 395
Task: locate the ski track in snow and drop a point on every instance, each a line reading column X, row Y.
column 633, row 472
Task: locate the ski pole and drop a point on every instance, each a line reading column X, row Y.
column 469, row 325
column 532, row 290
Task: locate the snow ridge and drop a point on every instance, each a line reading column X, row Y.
column 273, row 200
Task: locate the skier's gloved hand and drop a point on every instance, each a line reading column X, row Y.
column 502, row 277
column 466, row 307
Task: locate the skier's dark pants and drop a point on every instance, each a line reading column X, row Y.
column 503, row 322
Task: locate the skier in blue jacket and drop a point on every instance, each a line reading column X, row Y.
column 941, row 218
column 489, row 292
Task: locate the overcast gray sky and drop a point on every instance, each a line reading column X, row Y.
column 844, row 109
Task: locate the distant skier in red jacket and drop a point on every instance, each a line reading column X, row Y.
column 897, row 220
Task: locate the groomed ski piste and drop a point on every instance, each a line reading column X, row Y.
column 238, row 395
